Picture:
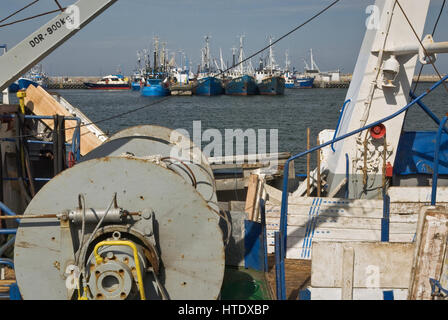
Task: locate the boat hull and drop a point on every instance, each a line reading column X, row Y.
column 209, row 86
column 289, row 85
column 305, row 83
column 135, row 86
column 25, row 83
column 154, row 90
column 242, row 86
column 13, row 88
column 272, row 86
column 96, row 86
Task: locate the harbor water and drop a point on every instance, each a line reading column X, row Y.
column 290, row 113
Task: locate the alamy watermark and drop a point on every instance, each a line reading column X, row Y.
column 225, row 146
column 373, row 20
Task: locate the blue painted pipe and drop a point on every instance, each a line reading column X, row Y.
column 339, row 121
column 7, row 262
column 428, row 111
column 284, row 206
column 8, row 211
column 8, row 231
column 435, row 174
column 347, row 172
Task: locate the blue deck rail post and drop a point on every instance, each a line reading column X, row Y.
column 280, row 252
column 435, row 174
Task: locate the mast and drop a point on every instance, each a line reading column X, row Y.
column 241, row 55
column 271, row 55
column 287, row 62
column 233, row 57
column 156, row 54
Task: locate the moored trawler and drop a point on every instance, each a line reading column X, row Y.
column 304, row 82
column 155, row 88
column 110, row 82
column 274, row 85
column 241, row 86
column 209, row 86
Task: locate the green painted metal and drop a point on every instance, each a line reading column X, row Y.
column 244, row 284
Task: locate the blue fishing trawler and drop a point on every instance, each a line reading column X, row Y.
column 274, row 85
column 304, row 82
column 209, row 86
column 269, row 78
column 35, row 77
column 241, row 86
column 155, row 87
column 14, row 87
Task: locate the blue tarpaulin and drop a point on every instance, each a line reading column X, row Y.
column 416, row 153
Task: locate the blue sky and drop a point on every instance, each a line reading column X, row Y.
column 113, row 38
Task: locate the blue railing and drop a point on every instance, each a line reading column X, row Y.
column 341, row 114
column 435, row 174
column 281, row 253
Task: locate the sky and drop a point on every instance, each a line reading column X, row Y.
column 112, row 39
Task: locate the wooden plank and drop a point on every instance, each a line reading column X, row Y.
column 430, row 252
column 251, row 197
column 376, row 264
column 230, row 184
column 417, row 194
column 259, row 194
column 358, row 293
column 42, row 103
column 408, row 223
column 246, row 157
column 299, row 236
column 237, row 206
column 274, row 196
column 348, row 264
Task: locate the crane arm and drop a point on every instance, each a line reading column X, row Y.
column 46, row 39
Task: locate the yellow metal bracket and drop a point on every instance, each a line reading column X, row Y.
column 99, row 259
column 21, row 95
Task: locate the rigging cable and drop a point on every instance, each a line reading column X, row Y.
column 432, row 34
column 18, row 11
column 421, row 44
column 29, row 18
column 237, row 64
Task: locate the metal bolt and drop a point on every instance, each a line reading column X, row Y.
column 147, row 214
column 110, row 255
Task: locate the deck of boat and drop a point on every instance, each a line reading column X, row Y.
column 297, row 276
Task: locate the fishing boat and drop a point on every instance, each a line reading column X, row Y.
column 14, row 87
column 156, row 82
column 207, row 83
column 110, row 82
column 35, row 77
column 155, row 87
column 136, row 81
column 241, row 81
column 269, row 78
column 242, row 86
column 209, row 86
column 303, row 82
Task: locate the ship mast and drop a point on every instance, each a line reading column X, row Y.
column 156, row 53
column 241, row 55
